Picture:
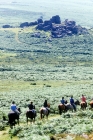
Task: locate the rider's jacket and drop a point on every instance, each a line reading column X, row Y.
column 71, row 101
column 45, row 104
column 13, row 107
column 83, row 99
column 63, row 101
column 30, row 106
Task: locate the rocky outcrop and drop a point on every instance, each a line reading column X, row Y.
column 60, row 29
column 57, row 28
column 39, row 21
column 47, row 24
column 27, row 24
column 6, row 26
column 42, row 25
column 56, row 19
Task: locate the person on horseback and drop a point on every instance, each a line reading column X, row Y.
column 72, row 103
column 14, row 108
column 62, row 101
column 32, row 107
column 83, row 102
column 46, row 105
column 83, row 98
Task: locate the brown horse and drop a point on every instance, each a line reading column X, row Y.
column 62, row 108
column 30, row 114
column 83, row 105
column 91, row 104
column 45, row 111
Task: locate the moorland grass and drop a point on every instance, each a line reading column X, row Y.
column 28, row 73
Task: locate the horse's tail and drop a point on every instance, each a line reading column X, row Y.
column 27, row 117
column 41, row 112
column 59, row 109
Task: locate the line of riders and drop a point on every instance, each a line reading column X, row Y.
column 73, row 103
column 31, row 107
column 45, row 110
column 47, row 107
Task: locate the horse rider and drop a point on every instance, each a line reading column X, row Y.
column 14, row 108
column 83, row 98
column 46, row 105
column 72, row 103
column 32, row 107
column 63, row 101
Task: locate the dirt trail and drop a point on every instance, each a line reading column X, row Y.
column 15, row 30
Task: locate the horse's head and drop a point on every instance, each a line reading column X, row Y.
column 19, row 110
column 66, row 102
column 77, row 102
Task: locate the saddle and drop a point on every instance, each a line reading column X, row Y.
column 11, row 112
column 32, row 111
column 82, row 102
column 29, row 111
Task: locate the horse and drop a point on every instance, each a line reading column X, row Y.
column 30, row 114
column 83, row 105
column 72, row 107
column 12, row 117
column 91, row 104
column 62, row 108
column 45, row 111
column 77, row 102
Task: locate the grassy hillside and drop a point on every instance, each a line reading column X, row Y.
column 39, row 68
column 35, row 69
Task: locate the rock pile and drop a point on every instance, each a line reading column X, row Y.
column 60, row 29
column 57, row 28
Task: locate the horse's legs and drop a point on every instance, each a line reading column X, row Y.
column 82, row 107
column 65, row 109
column 11, row 126
column 34, row 119
column 18, row 121
column 41, row 114
column 27, row 120
column 59, row 110
column 47, row 116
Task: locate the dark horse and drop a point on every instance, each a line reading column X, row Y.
column 45, row 111
column 83, row 105
column 30, row 114
column 13, row 118
column 62, row 108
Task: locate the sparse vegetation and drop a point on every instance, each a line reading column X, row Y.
column 34, row 74
column 35, row 69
